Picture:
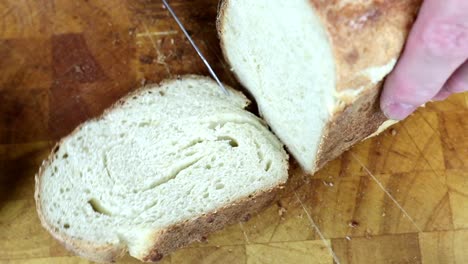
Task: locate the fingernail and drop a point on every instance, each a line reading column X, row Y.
column 398, row 111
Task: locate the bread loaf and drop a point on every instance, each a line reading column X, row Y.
column 316, row 67
column 163, row 167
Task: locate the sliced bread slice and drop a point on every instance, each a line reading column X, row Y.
column 316, row 67
column 162, row 168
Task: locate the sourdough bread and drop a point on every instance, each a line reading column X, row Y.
column 162, row 168
column 316, row 67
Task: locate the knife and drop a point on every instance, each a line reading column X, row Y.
column 200, row 54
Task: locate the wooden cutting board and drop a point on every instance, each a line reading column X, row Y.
column 399, row 198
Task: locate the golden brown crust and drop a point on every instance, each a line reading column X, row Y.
column 166, row 240
column 222, row 5
column 365, row 34
column 180, row 235
column 356, row 122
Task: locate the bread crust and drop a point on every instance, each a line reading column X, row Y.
column 363, row 35
column 180, row 235
column 166, row 240
column 353, row 124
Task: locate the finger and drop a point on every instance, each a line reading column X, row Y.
column 436, row 47
column 458, row 83
column 442, row 95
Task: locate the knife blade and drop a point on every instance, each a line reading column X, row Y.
column 200, row 54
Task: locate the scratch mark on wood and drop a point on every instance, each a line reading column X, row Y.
column 155, row 34
column 433, row 129
column 387, row 193
column 399, row 154
column 437, row 209
column 421, row 151
column 452, row 190
column 243, row 232
column 444, row 140
column 274, row 229
column 314, row 225
column 392, row 143
column 161, row 57
column 6, row 12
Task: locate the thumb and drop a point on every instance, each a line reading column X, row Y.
column 436, row 47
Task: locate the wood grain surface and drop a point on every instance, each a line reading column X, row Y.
column 399, row 198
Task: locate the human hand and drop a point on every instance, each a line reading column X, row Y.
column 434, row 64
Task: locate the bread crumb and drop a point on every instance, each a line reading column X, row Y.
column 282, row 212
column 368, row 233
column 329, row 184
column 246, row 218
column 353, row 224
column 210, row 219
column 78, row 69
column 393, row 132
column 348, row 238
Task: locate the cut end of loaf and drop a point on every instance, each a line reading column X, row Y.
column 310, row 63
column 282, row 54
column 162, row 157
